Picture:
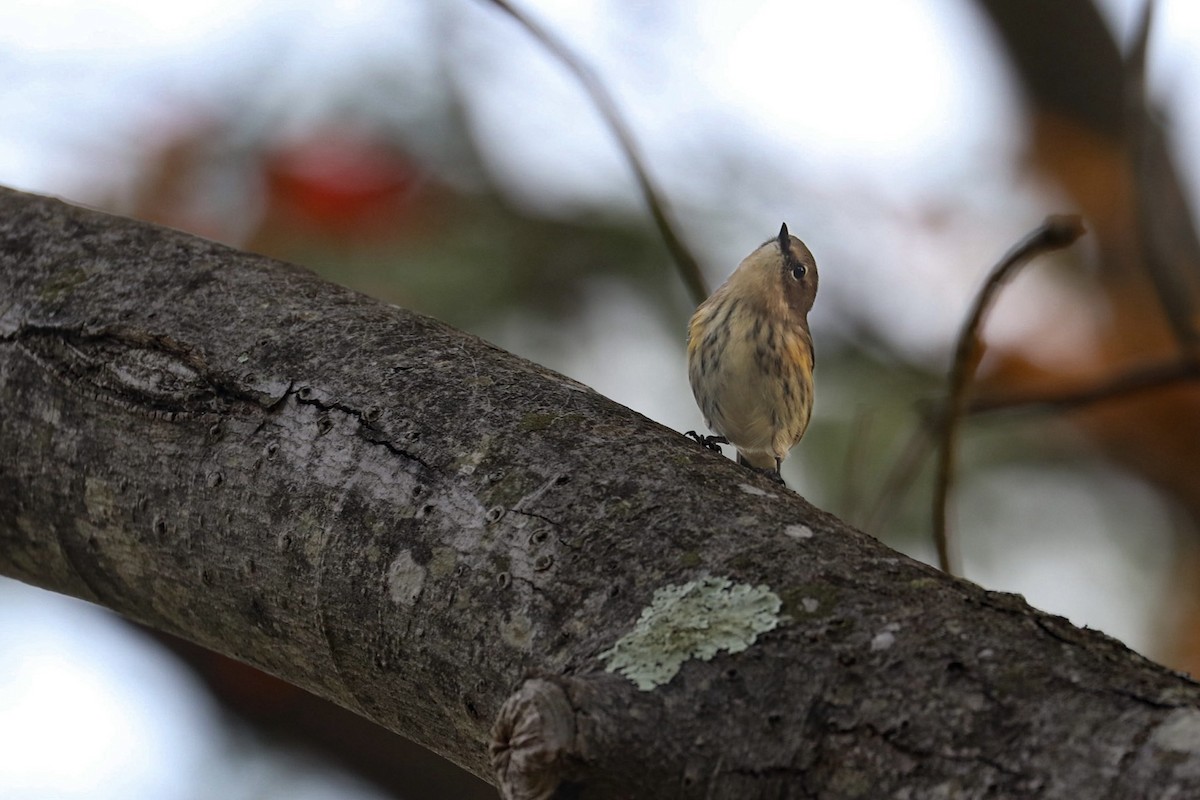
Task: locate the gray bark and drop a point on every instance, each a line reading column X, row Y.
column 444, row 537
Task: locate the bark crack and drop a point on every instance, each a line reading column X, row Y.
column 535, row 515
column 133, row 370
column 154, row 374
column 1143, row 699
column 366, row 428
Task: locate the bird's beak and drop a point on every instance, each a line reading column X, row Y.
column 783, row 237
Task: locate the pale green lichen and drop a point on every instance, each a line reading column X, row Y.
column 517, row 631
column 444, row 560
column 697, row 619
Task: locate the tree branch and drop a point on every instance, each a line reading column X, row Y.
column 1163, row 214
column 685, row 262
column 438, row 535
column 1055, row 233
column 1135, row 380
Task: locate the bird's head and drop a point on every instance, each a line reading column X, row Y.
column 781, row 273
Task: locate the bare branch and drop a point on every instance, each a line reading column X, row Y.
column 1055, row 233
column 906, row 467
column 902, row 475
column 685, row 262
column 1144, row 378
column 1163, row 219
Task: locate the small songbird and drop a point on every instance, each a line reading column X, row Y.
column 750, row 354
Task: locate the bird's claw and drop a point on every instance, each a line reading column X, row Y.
column 709, row 442
column 774, row 475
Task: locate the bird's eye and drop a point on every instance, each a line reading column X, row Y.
column 799, row 271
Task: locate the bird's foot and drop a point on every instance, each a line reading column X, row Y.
column 773, row 474
column 709, row 442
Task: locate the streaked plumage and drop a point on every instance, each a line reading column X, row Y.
column 750, row 353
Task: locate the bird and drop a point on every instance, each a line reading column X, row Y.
column 750, row 354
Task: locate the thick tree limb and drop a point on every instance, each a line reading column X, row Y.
column 439, row 535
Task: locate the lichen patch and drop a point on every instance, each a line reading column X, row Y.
column 886, row 637
column 406, row 579
column 697, row 619
column 883, row 641
column 517, row 631
column 1179, row 732
column 798, row 531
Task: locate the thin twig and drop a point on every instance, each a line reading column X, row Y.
column 908, row 465
column 900, row 477
column 856, row 457
column 1139, row 379
column 1056, row 232
column 689, row 268
column 1162, row 218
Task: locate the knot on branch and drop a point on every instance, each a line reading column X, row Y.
column 532, row 741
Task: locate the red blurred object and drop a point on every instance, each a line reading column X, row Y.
column 344, row 185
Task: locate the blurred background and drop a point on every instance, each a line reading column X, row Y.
column 435, row 155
